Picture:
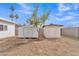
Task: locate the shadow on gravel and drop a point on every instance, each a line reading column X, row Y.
column 10, row 44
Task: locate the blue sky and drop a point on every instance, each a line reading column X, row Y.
column 66, row 14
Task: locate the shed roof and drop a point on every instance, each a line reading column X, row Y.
column 53, row 25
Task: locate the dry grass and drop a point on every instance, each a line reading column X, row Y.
column 49, row 47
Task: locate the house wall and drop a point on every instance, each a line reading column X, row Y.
column 10, row 32
column 71, row 32
column 52, row 32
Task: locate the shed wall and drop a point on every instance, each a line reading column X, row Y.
column 27, row 32
column 52, row 32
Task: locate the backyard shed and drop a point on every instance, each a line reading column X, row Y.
column 52, row 31
column 8, row 28
column 27, row 31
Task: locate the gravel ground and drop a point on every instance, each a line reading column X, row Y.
column 46, row 47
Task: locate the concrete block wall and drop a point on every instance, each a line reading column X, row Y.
column 71, row 32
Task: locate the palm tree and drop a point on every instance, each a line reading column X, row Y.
column 12, row 15
column 12, row 12
column 16, row 16
column 43, row 19
column 38, row 22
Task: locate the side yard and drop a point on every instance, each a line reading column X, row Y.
column 49, row 47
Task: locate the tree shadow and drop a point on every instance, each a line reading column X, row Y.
column 15, row 45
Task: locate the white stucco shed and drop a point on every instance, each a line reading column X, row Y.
column 52, row 31
column 27, row 31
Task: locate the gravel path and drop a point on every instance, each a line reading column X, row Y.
column 48, row 47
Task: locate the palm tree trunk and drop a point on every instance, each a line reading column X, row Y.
column 40, row 34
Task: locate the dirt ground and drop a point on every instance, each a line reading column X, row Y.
column 46, row 47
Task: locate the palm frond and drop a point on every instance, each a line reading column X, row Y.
column 12, row 8
column 45, row 16
column 16, row 16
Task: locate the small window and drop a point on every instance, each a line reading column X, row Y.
column 3, row 27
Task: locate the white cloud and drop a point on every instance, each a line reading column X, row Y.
column 76, row 6
column 70, row 20
column 67, row 18
column 62, row 7
column 22, row 5
column 67, row 7
column 59, row 14
column 25, row 8
column 75, row 14
column 71, row 13
column 25, row 12
column 70, row 17
column 74, row 23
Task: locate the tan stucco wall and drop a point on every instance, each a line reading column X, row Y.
column 52, row 31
